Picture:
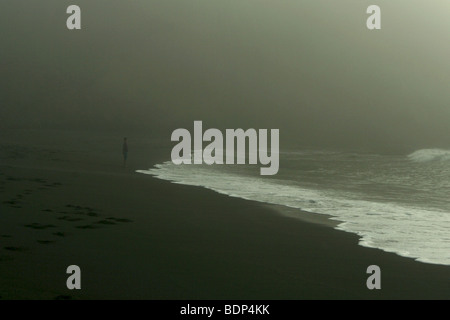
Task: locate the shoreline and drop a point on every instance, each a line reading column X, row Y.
column 144, row 238
column 306, row 216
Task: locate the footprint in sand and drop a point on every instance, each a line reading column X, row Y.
column 92, row 214
column 45, row 241
column 82, row 210
column 39, row 226
column 59, row 234
column 70, row 219
column 105, row 222
column 16, row 249
column 89, row 212
column 13, row 204
column 119, row 219
column 87, row 226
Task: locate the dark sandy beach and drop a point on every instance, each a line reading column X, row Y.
column 68, row 201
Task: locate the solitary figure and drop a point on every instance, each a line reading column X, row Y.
column 125, row 151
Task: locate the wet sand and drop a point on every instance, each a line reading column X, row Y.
column 69, row 201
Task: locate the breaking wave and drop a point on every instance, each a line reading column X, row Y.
column 426, row 155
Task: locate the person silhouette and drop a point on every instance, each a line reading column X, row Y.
column 125, row 151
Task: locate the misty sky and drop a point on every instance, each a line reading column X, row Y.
column 309, row 68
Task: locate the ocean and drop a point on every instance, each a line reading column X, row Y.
column 396, row 203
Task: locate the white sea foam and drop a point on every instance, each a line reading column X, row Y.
column 426, row 155
column 405, row 230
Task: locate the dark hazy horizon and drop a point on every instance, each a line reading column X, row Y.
column 309, row 68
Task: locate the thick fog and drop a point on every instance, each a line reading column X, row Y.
column 309, row 68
